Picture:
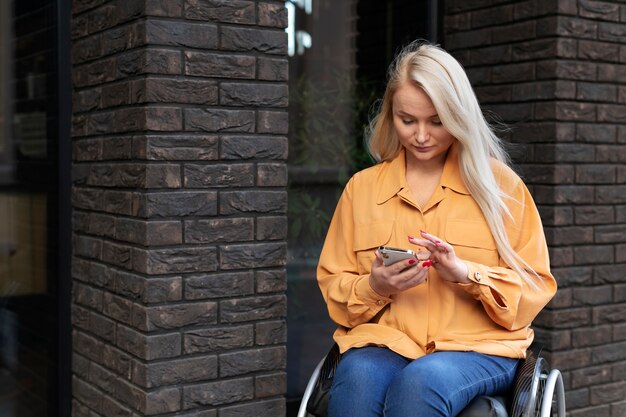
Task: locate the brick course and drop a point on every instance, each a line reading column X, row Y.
column 179, row 207
column 554, row 70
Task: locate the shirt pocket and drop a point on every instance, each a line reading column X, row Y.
column 367, row 238
column 472, row 240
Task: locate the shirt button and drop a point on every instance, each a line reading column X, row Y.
column 380, row 302
column 477, row 276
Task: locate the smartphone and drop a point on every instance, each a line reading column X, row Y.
column 393, row 255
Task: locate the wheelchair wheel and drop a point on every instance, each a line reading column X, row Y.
column 529, row 387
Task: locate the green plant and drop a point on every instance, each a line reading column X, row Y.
column 306, row 214
column 327, row 122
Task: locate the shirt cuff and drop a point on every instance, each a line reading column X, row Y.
column 479, row 280
column 365, row 293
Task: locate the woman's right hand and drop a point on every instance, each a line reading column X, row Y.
column 397, row 277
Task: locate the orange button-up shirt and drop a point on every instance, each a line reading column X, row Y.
column 491, row 315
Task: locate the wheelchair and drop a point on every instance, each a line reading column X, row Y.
column 537, row 390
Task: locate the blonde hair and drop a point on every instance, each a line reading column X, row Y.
column 445, row 82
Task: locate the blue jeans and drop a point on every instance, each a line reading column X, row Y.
column 374, row 381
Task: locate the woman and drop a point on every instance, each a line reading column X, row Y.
column 423, row 337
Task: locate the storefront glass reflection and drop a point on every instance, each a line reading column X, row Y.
column 28, row 192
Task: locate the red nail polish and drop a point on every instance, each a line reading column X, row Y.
column 427, row 263
column 411, row 261
column 411, row 237
column 438, row 242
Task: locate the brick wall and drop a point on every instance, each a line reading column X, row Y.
column 179, row 200
column 555, row 70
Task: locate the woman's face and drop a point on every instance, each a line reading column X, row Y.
column 417, row 125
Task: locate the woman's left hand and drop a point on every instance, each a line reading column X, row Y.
column 448, row 265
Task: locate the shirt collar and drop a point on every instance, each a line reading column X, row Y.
column 451, row 176
column 392, row 178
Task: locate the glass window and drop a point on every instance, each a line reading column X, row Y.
column 28, row 209
column 339, row 54
column 5, row 92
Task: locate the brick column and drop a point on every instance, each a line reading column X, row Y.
column 555, row 70
column 179, row 197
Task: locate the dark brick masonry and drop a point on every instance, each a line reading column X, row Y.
column 179, row 221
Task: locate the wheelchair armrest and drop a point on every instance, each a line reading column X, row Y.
column 527, row 389
column 309, row 388
column 316, row 394
column 535, row 386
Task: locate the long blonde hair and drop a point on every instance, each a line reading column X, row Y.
column 445, row 82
